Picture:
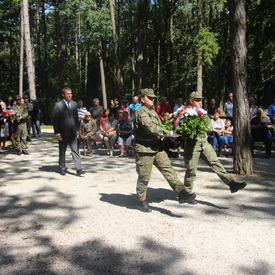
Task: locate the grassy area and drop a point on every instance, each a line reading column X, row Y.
column 46, row 126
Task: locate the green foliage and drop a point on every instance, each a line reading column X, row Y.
column 206, row 42
column 193, row 126
column 168, row 125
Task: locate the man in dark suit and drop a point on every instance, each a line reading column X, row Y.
column 66, row 127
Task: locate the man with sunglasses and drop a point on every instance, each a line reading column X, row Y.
column 88, row 132
column 149, row 151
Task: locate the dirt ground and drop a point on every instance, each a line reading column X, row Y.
column 53, row 224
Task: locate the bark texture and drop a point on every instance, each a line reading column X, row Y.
column 242, row 155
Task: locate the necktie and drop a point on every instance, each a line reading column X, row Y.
column 69, row 105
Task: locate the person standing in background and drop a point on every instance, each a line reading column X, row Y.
column 135, row 105
column 178, row 105
column 20, row 127
column 81, row 109
column 228, row 108
column 212, row 108
column 96, row 112
column 163, row 107
column 271, row 112
column 252, row 108
column 36, row 117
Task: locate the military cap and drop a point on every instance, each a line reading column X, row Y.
column 148, row 92
column 26, row 96
column 196, row 94
column 17, row 97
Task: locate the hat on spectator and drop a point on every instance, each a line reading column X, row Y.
column 148, row 92
column 17, row 97
column 26, row 97
column 125, row 101
column 196, row 94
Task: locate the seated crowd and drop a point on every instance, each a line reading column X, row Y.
column 114, row 126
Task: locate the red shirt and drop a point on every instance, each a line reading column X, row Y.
column 161, row 109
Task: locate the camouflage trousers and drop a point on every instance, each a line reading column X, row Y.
column 200, row 148
column 20, row 136
column 144, row 165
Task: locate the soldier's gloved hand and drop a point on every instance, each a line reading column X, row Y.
column 174, row 134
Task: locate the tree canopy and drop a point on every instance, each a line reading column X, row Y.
column 158, row 47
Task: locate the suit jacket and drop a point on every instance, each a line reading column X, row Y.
column 65, row 121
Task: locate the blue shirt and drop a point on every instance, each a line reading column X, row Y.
column 228, row 109
column 271, row 110
column 133, row 108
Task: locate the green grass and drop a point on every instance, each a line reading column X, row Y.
column 46, row 126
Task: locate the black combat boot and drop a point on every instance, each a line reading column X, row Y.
column 184, row 196
column 144, row 207
column 235, row 186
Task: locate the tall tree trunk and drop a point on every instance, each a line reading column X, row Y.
column 158, row 68
column 77, row 47
column 242, row 154
column 86, row 70
column 141, row 26
column 29, row 51
column 199, row 55
column 118, row 75
column 21, row 67
column 45, row 86
column 133, row 54
column 39, row 51
column 60, row 62
column 170, row 59
column 102, row 75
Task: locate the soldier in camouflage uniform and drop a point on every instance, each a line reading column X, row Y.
column 29, row 107
column 149, row 150
column 20, row 135
column 201, row 148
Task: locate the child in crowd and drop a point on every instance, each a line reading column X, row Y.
column 228, row 132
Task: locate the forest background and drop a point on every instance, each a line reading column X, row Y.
column 126, row 45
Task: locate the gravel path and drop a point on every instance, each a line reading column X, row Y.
column 53, row 224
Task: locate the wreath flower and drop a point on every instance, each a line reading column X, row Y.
column 189, row 121
column 10, row 114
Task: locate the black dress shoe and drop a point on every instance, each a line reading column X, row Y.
column 25, row 152
column 80, row 172
column 144, row 207
column 184, row 196
column 19, row 153
column 235, row 186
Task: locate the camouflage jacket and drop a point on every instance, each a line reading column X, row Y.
column 22, row 112
column 29, row 107
column 147, row 131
